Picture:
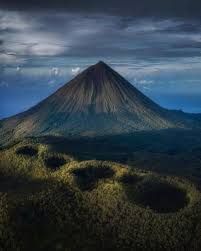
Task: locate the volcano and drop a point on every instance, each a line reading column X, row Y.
column 96, row 102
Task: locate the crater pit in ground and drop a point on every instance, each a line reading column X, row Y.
column 54, row 162
column 86, row 178
column 158, row 195
column 27, row 151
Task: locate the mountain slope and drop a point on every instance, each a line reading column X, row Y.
column 96, row 102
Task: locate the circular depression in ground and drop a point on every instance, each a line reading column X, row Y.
column 87, row 177
column 159, row 195
column 29, row 151
column 54, row 162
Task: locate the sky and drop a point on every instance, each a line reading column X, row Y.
column 156, row 45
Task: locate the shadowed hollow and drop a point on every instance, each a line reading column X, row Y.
column 87, row 178
column 160, row 196
column 27, row 151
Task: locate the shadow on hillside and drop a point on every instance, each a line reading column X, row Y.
column 176, row 152
column 87, row 178
column 165, row 151
column 27, row 151
column 16, row 184
column 54, row 162
column 171, row 142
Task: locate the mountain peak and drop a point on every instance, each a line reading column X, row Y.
column 100, row 65
column 95, row 75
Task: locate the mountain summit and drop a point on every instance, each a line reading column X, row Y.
column 96, row 102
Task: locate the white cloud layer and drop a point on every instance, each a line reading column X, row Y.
column 75, row 70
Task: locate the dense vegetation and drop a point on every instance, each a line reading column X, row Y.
column 92, row 205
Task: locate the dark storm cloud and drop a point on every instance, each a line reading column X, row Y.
column 24, row 35
column 190, row 27
column 173, row 8
column 49, row 47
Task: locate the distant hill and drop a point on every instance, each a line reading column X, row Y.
column 96, row 102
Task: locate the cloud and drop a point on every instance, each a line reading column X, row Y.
column 75, row 70
column 22, row 34
column 137, row 8
column 51, row 83
column 7, row 59
column 146, row 82
column 49, row 46
column 41, row 35
column 55, row 71
column 12, row 21
column 45, row 49
column 146, row 88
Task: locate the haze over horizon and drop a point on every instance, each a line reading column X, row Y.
column 155, row 46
